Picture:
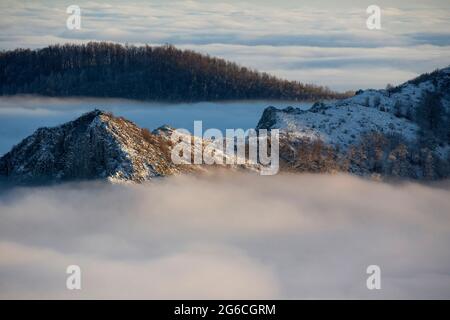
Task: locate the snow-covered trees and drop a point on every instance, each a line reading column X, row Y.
column 392, row 156
column 432, row 117
column 306, row 155
column 429, row 112
column 367, row 102
column 376, row 101
column 398, row 109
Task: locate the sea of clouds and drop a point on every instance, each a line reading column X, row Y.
column 227, row 236
column 323, row 42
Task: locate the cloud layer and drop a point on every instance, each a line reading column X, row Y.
column 324, row 43
column 227, row 236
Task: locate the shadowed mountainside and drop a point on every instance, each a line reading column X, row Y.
column 165, row 73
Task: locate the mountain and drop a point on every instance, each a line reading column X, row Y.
column 101, row 146
column 99, row 69
column 401, row 131
column 95, row 146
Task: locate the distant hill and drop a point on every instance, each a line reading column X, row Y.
column 100, row 69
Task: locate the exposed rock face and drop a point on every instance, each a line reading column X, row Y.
column 95, row 146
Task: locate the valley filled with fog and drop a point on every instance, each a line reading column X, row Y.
column 227, row 236
column 216, row 235
column 364, row 173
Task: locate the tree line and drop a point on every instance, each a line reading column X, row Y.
column 164, row 73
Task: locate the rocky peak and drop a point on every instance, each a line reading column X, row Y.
column 164, row 130
column 268, row 118
column 96, row 145
column 99, row 145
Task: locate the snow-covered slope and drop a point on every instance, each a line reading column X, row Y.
column 95, row 146
column 407, row 94
column 99, row 145
column 341, row 123
column 373, row 132
column 336, row 125
column 201, row 148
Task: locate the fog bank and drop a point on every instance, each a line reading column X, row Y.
column 234, row 236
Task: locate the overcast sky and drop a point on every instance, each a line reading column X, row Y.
column 319, row 42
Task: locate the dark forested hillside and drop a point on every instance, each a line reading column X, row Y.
column 148, row 73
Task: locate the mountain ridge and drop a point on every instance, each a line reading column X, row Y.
column 370, row 134
column 96, row 145
column 100, row 69
column 373, row 131
column 100, row 146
